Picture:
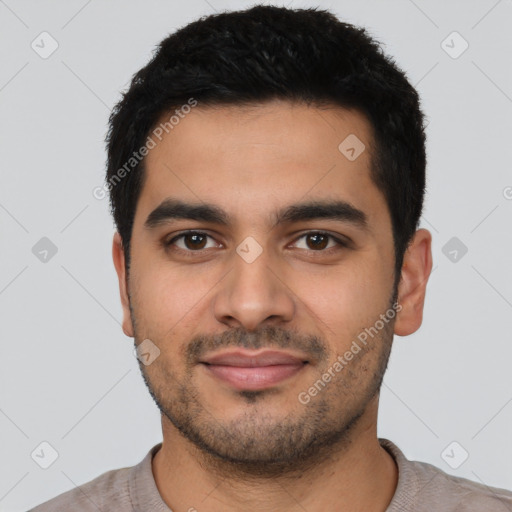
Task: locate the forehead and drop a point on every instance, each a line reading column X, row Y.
column 254, row 158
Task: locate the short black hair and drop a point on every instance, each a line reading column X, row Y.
column 251, row 56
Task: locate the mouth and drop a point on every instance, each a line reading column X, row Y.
column 249, row 371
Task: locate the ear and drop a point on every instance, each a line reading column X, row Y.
column 416, row 269
column 119, row 264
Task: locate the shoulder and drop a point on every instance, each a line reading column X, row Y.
column 461, row 494
column 424, row 487
column 117, row 489
column 109, row 487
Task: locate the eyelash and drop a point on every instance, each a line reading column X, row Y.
column 190, row 253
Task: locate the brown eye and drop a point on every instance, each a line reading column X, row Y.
column 192, row 241
column 317, row 240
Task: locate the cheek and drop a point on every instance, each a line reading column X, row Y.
column 168, row 298
column 346, row 299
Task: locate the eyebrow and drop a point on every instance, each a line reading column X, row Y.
column 172, row 209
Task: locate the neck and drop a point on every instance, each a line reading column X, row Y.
column 361, row 476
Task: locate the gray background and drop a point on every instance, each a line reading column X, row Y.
column 68, row 375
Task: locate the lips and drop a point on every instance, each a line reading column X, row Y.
column 250, row 360
column 252, row 371
column 247, row 370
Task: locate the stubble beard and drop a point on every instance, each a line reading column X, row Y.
column 256, row 444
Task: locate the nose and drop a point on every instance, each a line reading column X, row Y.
column 254, row 294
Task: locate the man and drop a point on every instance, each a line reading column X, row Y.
column 266, row 172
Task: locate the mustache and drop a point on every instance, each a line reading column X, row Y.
column 267, row 337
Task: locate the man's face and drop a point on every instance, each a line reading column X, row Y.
column 264, row 281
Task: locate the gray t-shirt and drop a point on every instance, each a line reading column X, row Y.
column 421, row 488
